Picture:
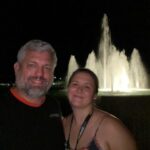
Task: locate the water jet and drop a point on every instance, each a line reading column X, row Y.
column 115, row 71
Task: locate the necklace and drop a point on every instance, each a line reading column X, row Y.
column 81, row 131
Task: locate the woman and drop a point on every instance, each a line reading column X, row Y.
column 89, row 128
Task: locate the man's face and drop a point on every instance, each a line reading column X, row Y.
column 34, row 74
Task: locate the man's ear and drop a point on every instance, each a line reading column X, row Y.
column 16, row 67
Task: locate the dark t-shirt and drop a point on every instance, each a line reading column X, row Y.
column 29, row 128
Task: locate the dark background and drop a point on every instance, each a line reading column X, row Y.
column 72, row 27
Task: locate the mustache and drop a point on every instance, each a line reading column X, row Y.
column 38, row 78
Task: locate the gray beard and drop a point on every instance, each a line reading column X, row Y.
column 35, row 93
column 32, row 91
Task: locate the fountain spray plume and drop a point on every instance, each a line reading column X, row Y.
column 73, row 65
column 114, row 70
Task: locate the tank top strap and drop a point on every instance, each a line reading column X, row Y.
column 100, row 123
column 93, row 144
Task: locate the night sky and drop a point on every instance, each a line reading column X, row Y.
column 72, row 27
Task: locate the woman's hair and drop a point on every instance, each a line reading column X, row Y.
column 88, row 71
column 39, row 46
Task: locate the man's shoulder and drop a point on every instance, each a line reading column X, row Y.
column 52, row 104
column 4, row 90
column 52, row 100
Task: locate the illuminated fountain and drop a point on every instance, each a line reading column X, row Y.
column 116, row 72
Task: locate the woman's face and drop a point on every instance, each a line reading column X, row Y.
column 81, row 90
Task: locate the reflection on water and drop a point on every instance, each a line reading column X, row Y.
column 139, row 92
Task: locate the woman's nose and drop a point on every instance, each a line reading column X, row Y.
column 80, row 89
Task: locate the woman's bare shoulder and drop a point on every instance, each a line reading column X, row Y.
column 110, row 122
column 114, row 131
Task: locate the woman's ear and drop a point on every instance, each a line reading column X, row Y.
column 95, row 97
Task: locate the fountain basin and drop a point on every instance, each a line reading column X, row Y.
column 131, row 92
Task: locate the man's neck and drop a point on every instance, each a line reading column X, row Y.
column 33, row 102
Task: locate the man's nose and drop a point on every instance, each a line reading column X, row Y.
column 40, row 71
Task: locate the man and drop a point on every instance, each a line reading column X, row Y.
column 29, row 119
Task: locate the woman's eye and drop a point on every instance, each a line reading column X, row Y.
column 87, row 87
column 74, row 84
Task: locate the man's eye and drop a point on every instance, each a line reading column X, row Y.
column 31, row 65
column 87, row 87
column 48, row 68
